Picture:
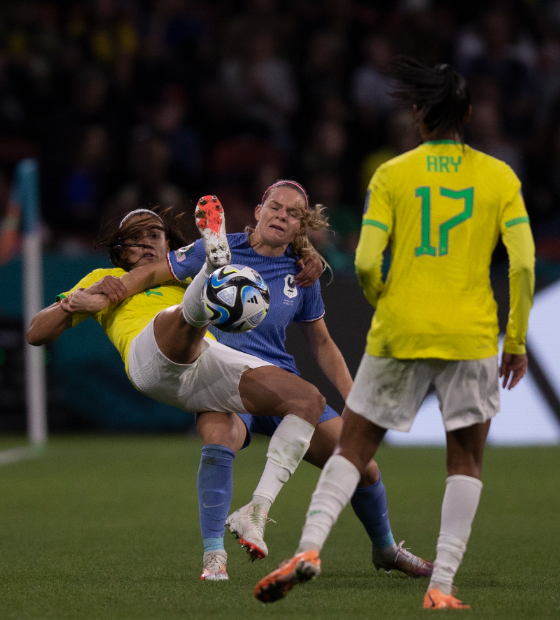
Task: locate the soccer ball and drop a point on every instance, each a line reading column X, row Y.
column 235, row 298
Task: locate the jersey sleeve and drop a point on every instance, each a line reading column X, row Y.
column 86, row 282
column 520, row 247
column 186, row 262
column 312, row 308
column 369, row 261
column 518, row 239
column 512, row 211
column 378, row 211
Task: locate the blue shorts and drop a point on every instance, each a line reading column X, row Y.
column 266, row 425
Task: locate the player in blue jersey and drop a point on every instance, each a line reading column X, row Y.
column 274, row 248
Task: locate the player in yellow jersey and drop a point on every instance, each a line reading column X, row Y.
column 160, row 334
column 442, row 207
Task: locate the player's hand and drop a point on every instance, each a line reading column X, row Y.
column 512, row 369
column 83, row 301
column 310, row 272
column 111, row 286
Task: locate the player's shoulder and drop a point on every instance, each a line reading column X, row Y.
column 397, row 163
column 238, row 240
column 491, row 166
column 97, row 274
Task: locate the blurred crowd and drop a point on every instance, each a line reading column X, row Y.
column 132, row 103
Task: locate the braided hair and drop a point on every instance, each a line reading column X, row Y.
column 441, row 95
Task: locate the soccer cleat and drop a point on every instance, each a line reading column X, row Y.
column 434, row 599
column 247, row 524
column 210, row 220
column 301, row 568
column 214, row 566
column 406, row 562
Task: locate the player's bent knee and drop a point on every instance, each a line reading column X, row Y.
column 312, row 406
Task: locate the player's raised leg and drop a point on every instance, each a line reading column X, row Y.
column 210, row 220
column 179, row 330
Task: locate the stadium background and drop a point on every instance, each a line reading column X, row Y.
column 130, row 104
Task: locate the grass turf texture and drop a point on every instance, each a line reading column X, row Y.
column 107, row 527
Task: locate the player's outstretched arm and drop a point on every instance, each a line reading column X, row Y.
column 48, row 325
column 133, row 282
column 328, row 355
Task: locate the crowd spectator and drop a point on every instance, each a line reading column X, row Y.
column 136, row 102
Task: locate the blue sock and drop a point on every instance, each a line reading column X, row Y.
column 215, row 489
column 370, row 506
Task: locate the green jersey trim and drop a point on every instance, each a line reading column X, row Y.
column 518, row 220
column 60, row 297
column 381, row 225
column 442, row 142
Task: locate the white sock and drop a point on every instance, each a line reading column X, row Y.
column 336, row 485
column 192, row 307
column 287, row 447
column 460, row 502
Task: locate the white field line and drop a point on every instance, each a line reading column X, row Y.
column 17, row 454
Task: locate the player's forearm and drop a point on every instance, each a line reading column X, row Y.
column 521, row 252
column 369, row 261
column 332, row 363
column 146, row 277
column 48, row 325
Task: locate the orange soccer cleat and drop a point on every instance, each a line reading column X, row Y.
column 434, row 599
column 301, row 568
column 210, row 220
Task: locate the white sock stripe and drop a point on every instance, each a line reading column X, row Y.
column 469, row 479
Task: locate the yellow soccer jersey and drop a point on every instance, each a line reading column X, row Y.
column 443, row 207
column 122, row 322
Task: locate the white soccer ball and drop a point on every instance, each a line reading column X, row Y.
column 235, row 298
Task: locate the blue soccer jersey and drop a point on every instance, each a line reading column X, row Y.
column 288, row 302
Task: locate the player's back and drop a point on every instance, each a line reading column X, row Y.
column 443, row 205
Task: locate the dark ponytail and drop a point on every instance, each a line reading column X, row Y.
column 441, row 96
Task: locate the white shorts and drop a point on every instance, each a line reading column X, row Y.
column 389, row 391
column 210, row 383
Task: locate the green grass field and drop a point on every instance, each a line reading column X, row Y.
column 107, row 528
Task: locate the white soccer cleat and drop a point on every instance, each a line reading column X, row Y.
column 247, row 524
column 210, row 220
column 214, row 566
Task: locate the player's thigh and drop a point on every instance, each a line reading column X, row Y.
column 269, row 390
column 468, row 392
column 388, row 392
column 177, row 340
column 223, row 429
